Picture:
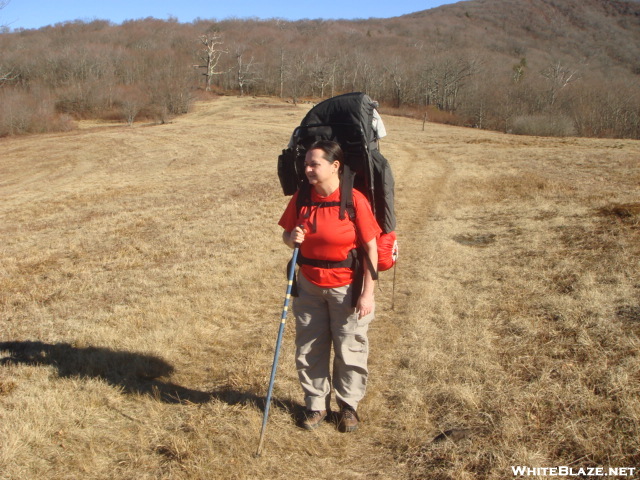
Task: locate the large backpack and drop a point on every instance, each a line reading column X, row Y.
column 348, row 120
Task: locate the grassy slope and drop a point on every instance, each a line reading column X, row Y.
column 142, row 278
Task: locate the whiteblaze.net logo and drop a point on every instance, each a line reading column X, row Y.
column 521, row 471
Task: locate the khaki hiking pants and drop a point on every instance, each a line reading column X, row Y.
column 325, row 317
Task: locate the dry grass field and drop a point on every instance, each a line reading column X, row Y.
column 142, row 277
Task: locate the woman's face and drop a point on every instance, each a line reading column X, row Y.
column 318, row 169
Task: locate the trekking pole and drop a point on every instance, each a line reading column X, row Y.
column 283, row 319
column 393, row 291
column 395, row 269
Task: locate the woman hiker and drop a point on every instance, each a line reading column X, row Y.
column 334, row 304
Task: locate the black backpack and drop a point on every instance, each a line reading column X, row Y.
column 348, row 120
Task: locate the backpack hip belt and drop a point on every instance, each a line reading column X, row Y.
column 349, row 262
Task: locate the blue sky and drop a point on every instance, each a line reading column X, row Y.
column 38, row 13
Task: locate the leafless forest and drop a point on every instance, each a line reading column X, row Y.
column 542, row 67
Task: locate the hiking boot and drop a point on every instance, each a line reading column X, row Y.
column 348, row 419
column 313, row 419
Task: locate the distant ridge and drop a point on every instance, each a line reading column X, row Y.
column 538, row 67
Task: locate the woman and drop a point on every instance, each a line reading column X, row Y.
column 325, row 310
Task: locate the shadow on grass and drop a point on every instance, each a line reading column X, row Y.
column 135, row 373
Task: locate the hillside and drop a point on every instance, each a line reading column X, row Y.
column 598, row 33
column 544, row 67
column 143, row 275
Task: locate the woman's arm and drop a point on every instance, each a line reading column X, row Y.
column 366, row 302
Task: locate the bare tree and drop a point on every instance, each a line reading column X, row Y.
column 6, row 75
column 322, row 73
column 297, row 74
column 398, row 75
column 282, row 72
column 132, row 100
column 3, row 29
column 427, row 93
column 558, row 77
column 245, row 76
column 365, row 76
column 452, row 74
column 212, row 54
column 519, row 70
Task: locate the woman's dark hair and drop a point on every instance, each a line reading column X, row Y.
column 331, row 151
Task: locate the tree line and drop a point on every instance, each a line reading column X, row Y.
column 155, row 69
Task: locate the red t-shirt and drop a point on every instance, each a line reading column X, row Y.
column 333, row 238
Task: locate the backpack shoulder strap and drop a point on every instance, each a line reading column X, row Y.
column 346, row 197
column 346, row 194
column 347, row 205
column 304, row 197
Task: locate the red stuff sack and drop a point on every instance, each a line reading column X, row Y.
column 387, row 251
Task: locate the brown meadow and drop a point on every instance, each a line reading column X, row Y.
column 142, row 278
